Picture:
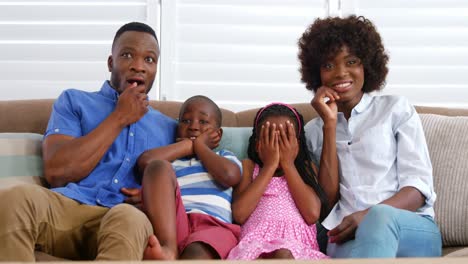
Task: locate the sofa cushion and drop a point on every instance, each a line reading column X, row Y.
column 447, row 139
column 236, row 139
column 20, row 158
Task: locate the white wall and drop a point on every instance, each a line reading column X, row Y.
column 241, row 53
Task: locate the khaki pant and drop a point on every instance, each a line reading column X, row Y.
column 35, row 218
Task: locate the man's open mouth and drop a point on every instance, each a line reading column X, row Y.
column 138, row 81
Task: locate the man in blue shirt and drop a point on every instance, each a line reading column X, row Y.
column 91, row 145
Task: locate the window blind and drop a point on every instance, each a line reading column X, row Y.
column 241, row 53
column 427, row 41
column 48, row 46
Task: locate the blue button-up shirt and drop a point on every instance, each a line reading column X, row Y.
column 381, row 149
column 76, row 113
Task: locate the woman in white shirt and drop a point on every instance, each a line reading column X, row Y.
column 374, row 162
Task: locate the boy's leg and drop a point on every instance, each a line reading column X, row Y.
column 199, row 250
column 390, row 232
column 210, row 238
column 159, row 204
column 123, row 234
column 34, row 217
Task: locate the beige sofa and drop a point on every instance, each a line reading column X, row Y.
column 446, row 132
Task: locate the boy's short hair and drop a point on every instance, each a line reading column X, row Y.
column 217, row 110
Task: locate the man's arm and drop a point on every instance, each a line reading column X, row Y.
column 68, row 159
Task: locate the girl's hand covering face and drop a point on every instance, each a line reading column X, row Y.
column 288, row 144
column 268, row 145
column 324, row 102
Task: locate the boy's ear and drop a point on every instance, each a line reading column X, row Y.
column 220, row 131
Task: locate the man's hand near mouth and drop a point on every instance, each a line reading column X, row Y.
column 132, row 104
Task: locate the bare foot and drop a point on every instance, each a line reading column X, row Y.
column 154, row 250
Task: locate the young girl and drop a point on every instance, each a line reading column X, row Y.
column 278, row 199
column 383, row 190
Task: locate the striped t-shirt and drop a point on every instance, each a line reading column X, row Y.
column 200, row 192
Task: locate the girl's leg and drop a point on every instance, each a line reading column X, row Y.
column 159, row 204
column 388, row 232
column 281, row 253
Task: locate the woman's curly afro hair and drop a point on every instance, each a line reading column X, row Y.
column 326, row 37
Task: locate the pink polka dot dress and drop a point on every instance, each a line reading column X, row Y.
column 276, row 223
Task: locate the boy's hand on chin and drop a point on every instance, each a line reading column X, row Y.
column 210, row 138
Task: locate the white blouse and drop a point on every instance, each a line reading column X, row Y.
column 381, row 149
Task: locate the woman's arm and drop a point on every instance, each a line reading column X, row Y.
column 328, row 176
column 408, row 198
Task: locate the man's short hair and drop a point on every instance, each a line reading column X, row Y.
column 134, row 26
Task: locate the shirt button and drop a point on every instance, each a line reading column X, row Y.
column 131, row 134
column 99, row 201
column 116, row 181
column 57, row 130
column 127, row 159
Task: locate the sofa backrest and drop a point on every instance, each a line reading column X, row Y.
column 28, row 116
column 31, row 116
column 447, row 141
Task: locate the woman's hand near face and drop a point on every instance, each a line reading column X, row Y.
column 268, row 146
column 327, row 110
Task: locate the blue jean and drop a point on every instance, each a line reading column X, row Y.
column 388, row 232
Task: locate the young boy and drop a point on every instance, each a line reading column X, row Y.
column 188, row 202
